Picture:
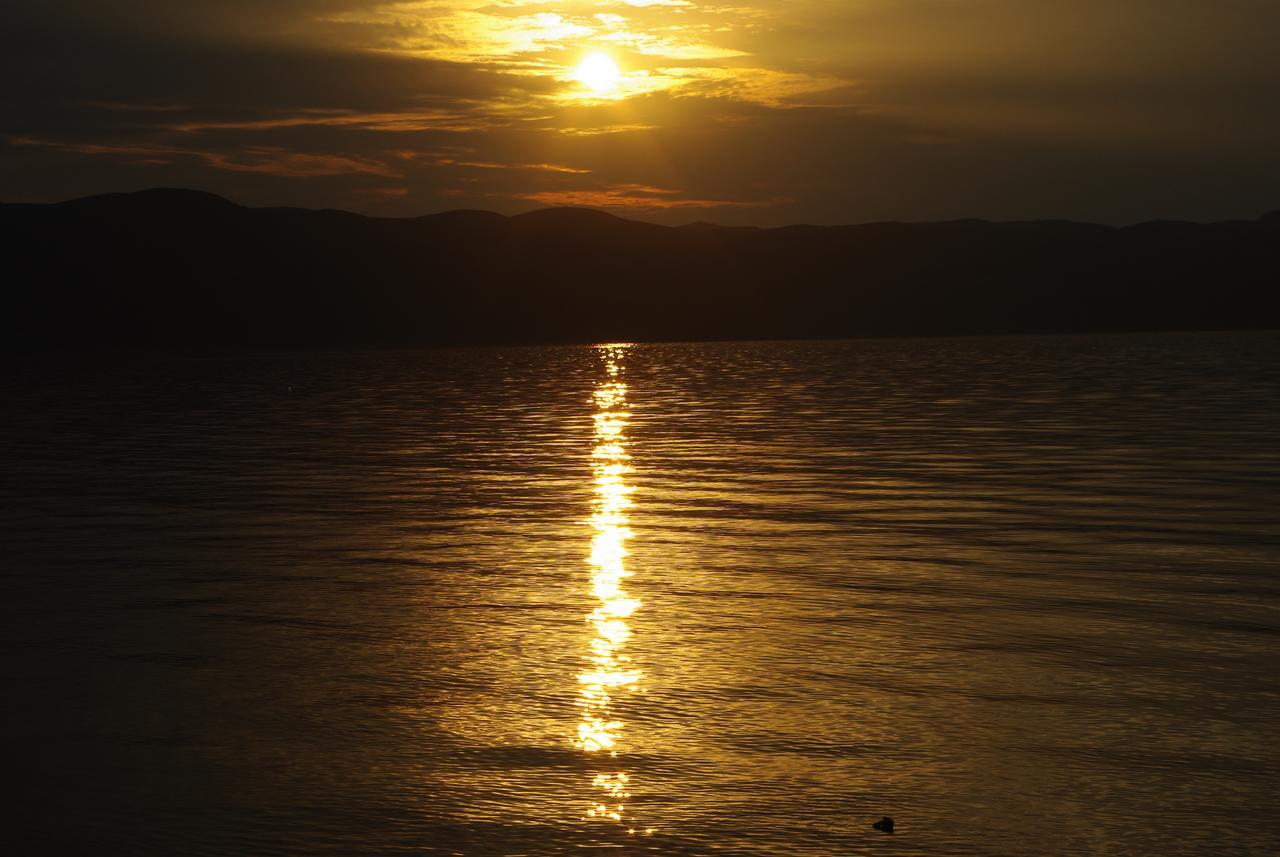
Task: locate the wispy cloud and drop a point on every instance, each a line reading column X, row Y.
column 482, row 117
column 271, row 161
column 636, row 198
column 489, row 165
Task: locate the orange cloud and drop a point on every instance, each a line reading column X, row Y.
column 491, row 165
column 298, row 165
column 388, row 192
column 635, row 197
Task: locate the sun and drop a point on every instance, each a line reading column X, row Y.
column 598, row 72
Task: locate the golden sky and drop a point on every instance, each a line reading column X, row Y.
column 757, row 111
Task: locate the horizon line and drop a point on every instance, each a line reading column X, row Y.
column 1273, row 214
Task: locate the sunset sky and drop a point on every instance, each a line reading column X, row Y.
column 744, row 111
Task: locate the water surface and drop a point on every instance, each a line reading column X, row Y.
column 1020, row 593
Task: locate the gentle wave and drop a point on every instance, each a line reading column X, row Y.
column 1019, row 593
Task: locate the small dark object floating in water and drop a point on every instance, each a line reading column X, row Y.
column 885, row 824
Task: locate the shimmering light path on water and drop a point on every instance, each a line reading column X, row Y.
column 1021, row 594
column 609, row 670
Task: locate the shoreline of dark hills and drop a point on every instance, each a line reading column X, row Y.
column 173, row 268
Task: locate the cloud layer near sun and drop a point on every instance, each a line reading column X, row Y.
column 757, row 111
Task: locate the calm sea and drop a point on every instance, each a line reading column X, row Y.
column 1021, row 594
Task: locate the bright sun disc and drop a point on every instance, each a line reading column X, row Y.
column 598, row 72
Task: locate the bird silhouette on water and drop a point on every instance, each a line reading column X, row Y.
column 885, row 824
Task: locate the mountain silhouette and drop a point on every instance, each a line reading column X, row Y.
column 182, row 268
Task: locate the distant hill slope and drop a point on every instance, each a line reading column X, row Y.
column 182, row 268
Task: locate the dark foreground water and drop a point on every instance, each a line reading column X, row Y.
column 1021, row 594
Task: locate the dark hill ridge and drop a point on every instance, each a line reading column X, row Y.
column 156, row 199
column 183, row 268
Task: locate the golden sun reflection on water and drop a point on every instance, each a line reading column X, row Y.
column 609, row 670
